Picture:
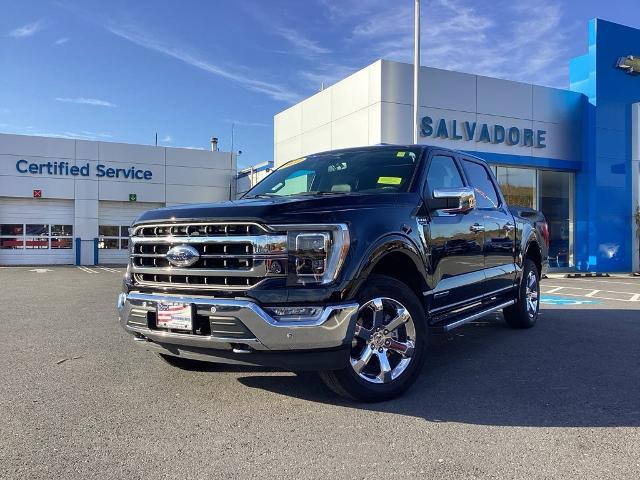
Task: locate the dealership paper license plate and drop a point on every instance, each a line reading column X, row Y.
column 175, row 316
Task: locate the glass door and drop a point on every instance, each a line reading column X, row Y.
column 556, row 203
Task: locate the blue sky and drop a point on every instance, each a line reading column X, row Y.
column 122, row 70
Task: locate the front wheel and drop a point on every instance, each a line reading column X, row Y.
column 524, row 313
column 388, row 344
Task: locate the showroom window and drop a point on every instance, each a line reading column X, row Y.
column 549, row 191
column 35, row 236
column 113, row 237
column 518, row 185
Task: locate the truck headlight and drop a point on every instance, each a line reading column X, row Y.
column 316, row 252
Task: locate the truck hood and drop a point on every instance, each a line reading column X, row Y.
column 278, row 209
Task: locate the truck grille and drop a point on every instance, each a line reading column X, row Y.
column 232, row 256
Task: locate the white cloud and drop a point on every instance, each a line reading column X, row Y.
column 86, row 101
column 97, row 134
column 26, row 30
column 516, row 41
column 273, row 90
column 61, row 41
column 167, row 139
column 303, row 45
column 243, row 123
column 38, row 132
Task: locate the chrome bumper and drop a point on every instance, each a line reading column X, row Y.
column 262, row 331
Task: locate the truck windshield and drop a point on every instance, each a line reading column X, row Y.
column 383, row 170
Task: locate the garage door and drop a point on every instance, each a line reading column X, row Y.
column 36, row 231
column 114, row 219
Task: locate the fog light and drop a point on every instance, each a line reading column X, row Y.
column 295, row 313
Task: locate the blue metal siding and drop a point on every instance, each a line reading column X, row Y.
column 604, row 196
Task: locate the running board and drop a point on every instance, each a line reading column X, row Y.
column 443, row 328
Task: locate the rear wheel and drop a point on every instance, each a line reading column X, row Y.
column 388, row 344
column 524, row 313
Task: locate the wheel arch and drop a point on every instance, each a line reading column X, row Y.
column 396, row 257
column 534, row 253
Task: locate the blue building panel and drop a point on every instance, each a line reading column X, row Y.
column 604, row 185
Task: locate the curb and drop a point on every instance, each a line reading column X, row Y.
column 586, row 274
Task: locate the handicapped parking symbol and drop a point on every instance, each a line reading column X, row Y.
column 552, row 300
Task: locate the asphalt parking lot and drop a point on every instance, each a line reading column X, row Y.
column 79, row 400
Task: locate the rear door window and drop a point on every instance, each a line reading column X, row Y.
column 480, row 179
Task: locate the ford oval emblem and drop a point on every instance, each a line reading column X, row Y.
column 182, row 255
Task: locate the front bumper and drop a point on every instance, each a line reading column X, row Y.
column 239, row 331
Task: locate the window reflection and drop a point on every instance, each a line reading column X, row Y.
column 518, row 185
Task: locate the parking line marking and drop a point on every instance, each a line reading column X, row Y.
column 599, row 298
column 86, row 270
column 591, row 289
column 599, row 294
column 554, row 290
column 589, row 280
column 107, row 269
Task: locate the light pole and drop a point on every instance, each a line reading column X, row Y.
column 416, row 70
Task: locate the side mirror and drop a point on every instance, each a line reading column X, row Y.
column 453, row 200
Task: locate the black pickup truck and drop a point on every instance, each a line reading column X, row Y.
column 342, row 262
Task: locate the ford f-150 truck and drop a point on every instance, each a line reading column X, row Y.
column 342, row 262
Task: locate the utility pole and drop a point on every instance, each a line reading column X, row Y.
column 416, row 70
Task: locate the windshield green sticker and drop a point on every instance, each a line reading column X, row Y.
column 390, row 180
column 400, row 154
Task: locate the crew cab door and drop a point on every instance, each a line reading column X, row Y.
column 454, row 241
column 499, row 228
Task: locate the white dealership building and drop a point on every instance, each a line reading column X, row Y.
column 571, row 153
column 66, row 201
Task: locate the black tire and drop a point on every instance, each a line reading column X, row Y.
column 185, row 363
column 347, row 382
column 521, row 314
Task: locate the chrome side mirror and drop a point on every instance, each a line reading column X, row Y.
column 453, row 200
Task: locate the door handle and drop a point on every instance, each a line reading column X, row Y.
column 509, row 226
column 476, row 227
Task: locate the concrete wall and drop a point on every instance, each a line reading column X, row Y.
column 461, row 97
column 343, row 115
column 374, row 105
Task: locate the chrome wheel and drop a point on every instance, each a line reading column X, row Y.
column 384, row 340
column 531, row 294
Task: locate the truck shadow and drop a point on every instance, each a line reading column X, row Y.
column 576, row 368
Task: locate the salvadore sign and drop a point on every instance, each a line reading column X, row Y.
column 469, row 131
column 63, row 169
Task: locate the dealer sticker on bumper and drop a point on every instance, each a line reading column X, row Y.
column 175, row 316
